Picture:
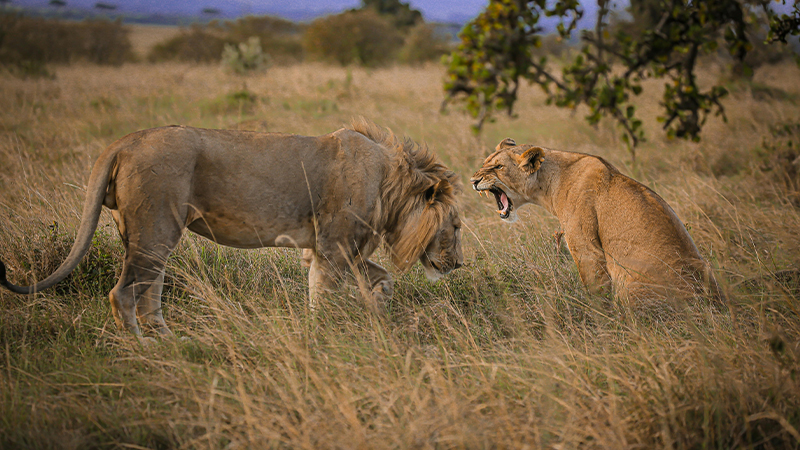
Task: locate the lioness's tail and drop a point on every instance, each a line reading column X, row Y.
column 95, row 193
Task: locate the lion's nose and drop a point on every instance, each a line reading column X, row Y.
column 458, row 264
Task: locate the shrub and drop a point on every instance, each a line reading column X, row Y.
column 264, row 27
column 197, row 44
column 102, row 42
column 206, row 44
column 242, row 101
column 28, row 44
column 361, row 37
column 423, row 43
column 279, row 37
column 245, row 57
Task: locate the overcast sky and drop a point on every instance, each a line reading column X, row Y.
column 433, row 10
column 456, row 11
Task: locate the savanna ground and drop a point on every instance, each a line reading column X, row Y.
column 507, row 352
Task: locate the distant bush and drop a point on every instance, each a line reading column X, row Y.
column 361, row 37
column 424, row 43
column 279, row 38
column 28, row 44
column 196, row 44
column 245, row 57
column 265, row 27
column 206, row 43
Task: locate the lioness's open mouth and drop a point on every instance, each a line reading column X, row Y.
column 504, row 204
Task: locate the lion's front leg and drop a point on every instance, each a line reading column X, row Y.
column 324, row 274
column 381, row 283
column 321, row 278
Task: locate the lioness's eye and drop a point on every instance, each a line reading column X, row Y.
column 499, row 166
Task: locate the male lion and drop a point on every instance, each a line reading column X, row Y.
column 338, row 195
column 621, row 234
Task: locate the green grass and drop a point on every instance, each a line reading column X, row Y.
column 509, row 351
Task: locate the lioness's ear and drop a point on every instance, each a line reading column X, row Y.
column 531, row 159
column 439, row 192
column 507, row 142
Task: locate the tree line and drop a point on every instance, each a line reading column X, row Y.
column 377, row 33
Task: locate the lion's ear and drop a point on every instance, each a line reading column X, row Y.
column 507, row 142
column 531, row 159
column 439, row 192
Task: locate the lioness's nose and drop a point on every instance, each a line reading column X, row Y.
column 475, row 182
column 458, row 264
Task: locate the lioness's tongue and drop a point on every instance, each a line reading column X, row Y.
column 504, row 201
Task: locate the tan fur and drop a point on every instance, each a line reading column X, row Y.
column 621, row 234
column 337, row 196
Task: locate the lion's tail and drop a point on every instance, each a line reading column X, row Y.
column 95, row 193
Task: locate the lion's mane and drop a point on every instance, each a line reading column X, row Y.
column 410, row 219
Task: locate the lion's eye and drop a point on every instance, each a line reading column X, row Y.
column 498, row 167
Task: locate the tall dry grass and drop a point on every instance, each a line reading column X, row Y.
column 507, row 352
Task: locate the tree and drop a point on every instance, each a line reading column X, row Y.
column 401, row 14
column 495, row 52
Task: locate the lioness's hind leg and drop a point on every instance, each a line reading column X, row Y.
column 137, row 296
column 136, row 299
column 123, row 304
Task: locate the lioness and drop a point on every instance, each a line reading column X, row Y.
column 621, row 234
column 338, row 195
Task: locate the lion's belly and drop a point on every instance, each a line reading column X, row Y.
column 254, row 235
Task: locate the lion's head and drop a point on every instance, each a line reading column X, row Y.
column 418, row 206
column 506, row 174
column 430, row 230
column 443, row 253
